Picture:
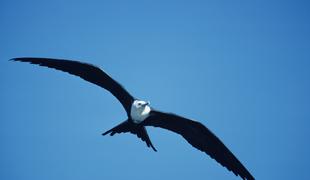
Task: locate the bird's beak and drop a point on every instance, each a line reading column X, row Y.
column 147, row 103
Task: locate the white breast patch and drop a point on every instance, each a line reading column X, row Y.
column 139, row 114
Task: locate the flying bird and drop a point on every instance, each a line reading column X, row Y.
column 140, row 114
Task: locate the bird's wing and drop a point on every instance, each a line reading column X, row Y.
column 199, row 137
column 128, row 126
column 87, row 72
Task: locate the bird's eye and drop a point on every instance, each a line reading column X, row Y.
column 139, row 104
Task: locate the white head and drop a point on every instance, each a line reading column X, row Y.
column 140, row 111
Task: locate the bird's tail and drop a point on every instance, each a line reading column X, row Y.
column 129, row 126
column 121, row 128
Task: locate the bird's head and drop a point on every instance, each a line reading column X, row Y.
column 140, row 110
column 140, row 104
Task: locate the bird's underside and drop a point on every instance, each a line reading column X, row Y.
column 140, row 115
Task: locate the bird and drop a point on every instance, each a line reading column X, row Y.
column 140, row 114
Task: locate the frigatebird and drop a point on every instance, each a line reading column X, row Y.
column 140, row 115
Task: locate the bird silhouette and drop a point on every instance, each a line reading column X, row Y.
column 140, row 115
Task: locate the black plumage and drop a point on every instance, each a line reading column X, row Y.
column 194, row 132
column 87, row 72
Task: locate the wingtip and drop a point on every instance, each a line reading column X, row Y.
column 18, row 59
column 105, row 133
column 13, row 59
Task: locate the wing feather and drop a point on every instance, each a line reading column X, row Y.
column 87, row 72
column 199, row 137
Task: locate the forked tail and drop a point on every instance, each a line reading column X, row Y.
column 129, row 126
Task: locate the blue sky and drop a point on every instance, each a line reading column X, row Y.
column 239, row 67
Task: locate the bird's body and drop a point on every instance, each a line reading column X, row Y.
column 140, row 115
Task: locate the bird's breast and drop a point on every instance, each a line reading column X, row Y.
column 138, row 115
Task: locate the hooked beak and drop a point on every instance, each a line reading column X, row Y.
column 147, row 103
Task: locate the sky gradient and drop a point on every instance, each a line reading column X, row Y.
column 239, row 67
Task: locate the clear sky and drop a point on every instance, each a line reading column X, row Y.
column 239, row 67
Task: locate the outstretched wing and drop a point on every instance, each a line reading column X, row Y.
column 128, row 126
column 199, row 137
column 87, row 72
